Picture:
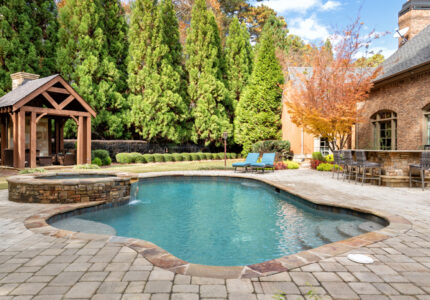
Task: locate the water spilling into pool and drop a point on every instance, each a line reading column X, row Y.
column 225, row 222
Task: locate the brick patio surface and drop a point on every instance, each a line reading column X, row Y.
column 35, row 266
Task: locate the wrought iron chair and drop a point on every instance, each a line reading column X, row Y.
column 350, row 165
column 364, row 165
column 339, row 161
column 423, row 166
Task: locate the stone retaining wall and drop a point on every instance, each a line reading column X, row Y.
column 29, row 189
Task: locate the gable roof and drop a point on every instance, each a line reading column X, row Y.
column 24, row 90
column 414, row 53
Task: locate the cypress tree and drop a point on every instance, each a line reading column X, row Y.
column 238, row 53
column 90, row 60
column 160, row 109
column 258, row 114
column 27, row 39
column 206, row 89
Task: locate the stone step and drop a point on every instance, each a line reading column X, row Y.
column 369, row 226
column 348, row 229
column 329, row 233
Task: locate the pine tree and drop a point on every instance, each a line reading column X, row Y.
column 160, row 110
column 238, row 53
column 27, row 39
column 90, row 60
column 258, row 114
column 206, row 89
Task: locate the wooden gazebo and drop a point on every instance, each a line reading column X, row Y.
column 32, row 118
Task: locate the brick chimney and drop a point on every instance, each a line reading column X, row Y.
column 20, row 78
column 414, row 14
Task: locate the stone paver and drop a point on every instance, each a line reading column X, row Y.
column 39, row 267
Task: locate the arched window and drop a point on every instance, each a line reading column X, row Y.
column 384, row 124
column 426, row 110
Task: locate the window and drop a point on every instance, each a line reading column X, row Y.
column 427, row 124
column 324, row 148
column 384, row 124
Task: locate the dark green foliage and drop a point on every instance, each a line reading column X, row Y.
column 209, row 156
column 186, row 156
column 202, row 155
column 220, row 155
column 160, row 107
column 149, row 158
column 205, row 66
column 233, row 155
column 238, row 56
column 28, row 35
column 168, row 157
column 178, row 157
column 195, row 156
column 318, row 156
column 90, row 55
column 273, row 146
column 103, row 155
column 258, row 114
column 159, row 157
column 97, row 161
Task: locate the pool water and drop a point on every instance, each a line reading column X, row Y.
column 225, row 222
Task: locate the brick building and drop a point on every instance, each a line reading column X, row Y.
column 397, row 114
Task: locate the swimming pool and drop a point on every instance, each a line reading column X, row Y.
column 225, row 221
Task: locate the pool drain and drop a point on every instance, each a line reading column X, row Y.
column 360, row 258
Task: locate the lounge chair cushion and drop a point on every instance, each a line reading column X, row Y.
column 251, row 158
column 241, row 164
column 267, row 161
column 261, row 165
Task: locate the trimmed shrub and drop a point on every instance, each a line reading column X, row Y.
column 122, row 158
column 178, row 157
column 141, row 159
column 103, row 155
column 149, row 158
column 209, row 156
column 134, row 157
column 281, row 147
column 195, row 156
column 292, row 165
column 318, row 156
column 220, row 155
column 168, row 157
column 326, row 167
column 186, row 156
column 159, row 157
column 97, row 161
column 233, row 155
column 228, row 155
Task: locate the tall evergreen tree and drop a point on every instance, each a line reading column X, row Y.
column 27, row 39
column 206, row 89
column 258, row 114
column 160, row 109
column 238, row 56
column 88, row 58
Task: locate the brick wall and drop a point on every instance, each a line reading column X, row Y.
column 407, row 98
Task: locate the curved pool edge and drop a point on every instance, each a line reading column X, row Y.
column 163, row 259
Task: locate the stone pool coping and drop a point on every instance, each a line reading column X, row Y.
column 163, row 259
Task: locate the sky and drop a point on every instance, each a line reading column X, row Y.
column 315, row 20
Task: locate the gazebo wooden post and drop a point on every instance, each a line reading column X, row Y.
column 57, row 135
column 14, row 117
column 62, row 134
column 33, row 140
column 88, row 139
column 3, row 138
column 21, row 139
column 81, row 142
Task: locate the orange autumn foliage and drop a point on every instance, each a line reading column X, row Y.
column 325, row 99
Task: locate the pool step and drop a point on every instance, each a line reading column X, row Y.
column 330, row 234
column 369, row 226
column 310, row 243
column 348, row 229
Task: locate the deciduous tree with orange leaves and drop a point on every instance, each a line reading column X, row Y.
column 325, row 98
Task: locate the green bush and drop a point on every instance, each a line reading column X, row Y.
column 141, row 159
column 31, row 171
column 159, row 157
column 186, row 156
column 292, row 165
column 209, row 156
column 329, row 158
column 273, row 146
column 86, row 167
column 318, row 156
column 203, row 156
column 149, row 158
column 103, row 155
column 178, row 157
column 228, row 155
column 326, row 167
column 122, row 158
column 97, row 161
column 233, row 155
column 168, row 157
column 195, row 156
column 220, row 155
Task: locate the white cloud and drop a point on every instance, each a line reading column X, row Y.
column 281, row 6
column 308, row 28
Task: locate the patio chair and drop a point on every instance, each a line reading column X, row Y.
column 250, row 159
column 338, row 160
column 267, row 162
column 423, row 166
column 364, row 165
column 350, row 165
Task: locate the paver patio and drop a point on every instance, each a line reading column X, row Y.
column 35, row 266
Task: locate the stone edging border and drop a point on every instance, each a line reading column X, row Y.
column 161, row 258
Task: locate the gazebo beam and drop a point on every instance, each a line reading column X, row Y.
column 55, row 112
column 58, row 90
column 33, row 137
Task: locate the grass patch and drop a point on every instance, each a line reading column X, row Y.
column 176, row 166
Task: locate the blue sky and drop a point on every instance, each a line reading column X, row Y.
column 315, row 20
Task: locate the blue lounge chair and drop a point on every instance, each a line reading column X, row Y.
column 267, row 162
column 250, row 159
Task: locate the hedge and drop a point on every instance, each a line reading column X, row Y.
column 130, row 158
column 103, row 157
